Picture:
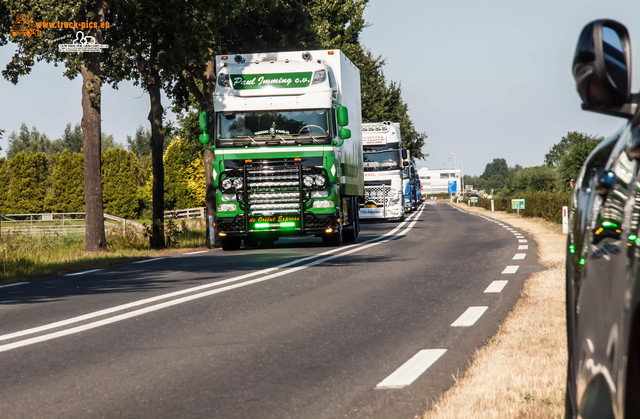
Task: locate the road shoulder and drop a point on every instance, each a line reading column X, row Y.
column 521, row 370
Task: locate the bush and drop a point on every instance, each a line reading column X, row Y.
column 119, row 183
column 540, row 204
column 27, row 183
column 66, row 183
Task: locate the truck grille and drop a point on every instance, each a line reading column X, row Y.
column 380, row 194
column 274, row 187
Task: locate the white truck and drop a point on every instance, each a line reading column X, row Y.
column 383, row 167
column 287, row 140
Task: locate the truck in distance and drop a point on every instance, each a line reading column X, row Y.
column 287, row 141
column 383, row 165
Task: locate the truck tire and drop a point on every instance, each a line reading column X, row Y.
column 230, row 243
column 333, row 239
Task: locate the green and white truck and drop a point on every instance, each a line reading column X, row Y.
column 287, row 139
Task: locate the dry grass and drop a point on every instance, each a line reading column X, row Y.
column 521, row 372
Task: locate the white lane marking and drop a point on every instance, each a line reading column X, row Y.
column 523, row 247
column 197, row 252
column 15, row 284
column 520, row 236
column 84, row 272
column 496, row 286
column 149, row 260
column 343, row 252
column 519, row 256
column 522, row 241
column 470, row 316
column 412, row 369
column 511, row 269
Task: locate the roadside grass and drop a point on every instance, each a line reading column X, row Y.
column 25, row 256
column 521, row 371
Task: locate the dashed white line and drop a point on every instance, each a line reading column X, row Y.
column 511, row 269
column 522, row 241
column 15, row 284
column 496, row 286
column 412, row 369
column 149, row 260
column 470, row 316
column 523, row 247
column 84, row 272
column 519, row 256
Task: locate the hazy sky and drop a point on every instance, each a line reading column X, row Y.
column 484, row 79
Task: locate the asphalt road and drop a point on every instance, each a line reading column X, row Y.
column 375, row 329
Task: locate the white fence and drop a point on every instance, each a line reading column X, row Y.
column 66, row 222
column 186, row 213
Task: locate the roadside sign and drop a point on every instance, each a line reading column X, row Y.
column 453, row 186
column 473, row 199
column 517, row 204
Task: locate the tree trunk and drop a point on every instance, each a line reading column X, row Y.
column 95, row 240
column 209, row 84
column 157, row 240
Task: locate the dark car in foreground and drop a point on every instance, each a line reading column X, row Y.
column 603, row 245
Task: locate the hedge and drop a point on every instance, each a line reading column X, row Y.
column 541, row 204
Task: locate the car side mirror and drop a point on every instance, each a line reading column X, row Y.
column 602, row 69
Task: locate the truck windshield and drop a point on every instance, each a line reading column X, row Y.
column 273, row 127
column 381, row 160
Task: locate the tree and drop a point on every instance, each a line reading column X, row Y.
column 66, row 183
column 120, row 187
column 184, row 178
column 531, row 179
column 4, row 185
column 71, row 140
column 559, row 150
column 140, row 143
column 29, row 141
column 28, row 183
column 87, row 64
column 570, row 164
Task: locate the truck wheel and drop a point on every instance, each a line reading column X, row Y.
column 333, row 239
column 230, row 243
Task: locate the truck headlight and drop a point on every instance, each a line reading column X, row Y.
column 237, row 183
column 323, row 204
column 227, row 183
column 308, row 181
column 227, row 207
column 319, row 76
column 320, row 181
column 226, row 197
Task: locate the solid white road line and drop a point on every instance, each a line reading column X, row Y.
column 84, row 272
column 470, row 316
column 496, row 286
column 412, row 369
column 196, row 252
column 511, row 269
column 15, row 284
column 149, row 260
column 345, row 250
column 519, row 256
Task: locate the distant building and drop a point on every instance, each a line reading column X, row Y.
column 438, row 180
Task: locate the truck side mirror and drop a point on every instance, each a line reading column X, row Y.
column 204, row 138
column 344, row 133
column 204, row 121
column 405, row 163
column 405, row 156
column 343, row 116
column 602, row 69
